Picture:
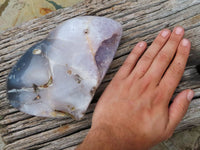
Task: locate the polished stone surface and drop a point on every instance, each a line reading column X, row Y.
column 59, row 75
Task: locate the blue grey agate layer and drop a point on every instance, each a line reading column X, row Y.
column 60, row 75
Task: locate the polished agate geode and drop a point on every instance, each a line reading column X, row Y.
column 59, row 75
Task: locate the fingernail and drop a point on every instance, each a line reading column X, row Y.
column 185, row 42
column 190, row 95
column 141, row 44
column 164, row 33
column 178, row 30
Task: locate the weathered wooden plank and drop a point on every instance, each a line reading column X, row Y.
column 50, row 135
column 70, row 148
column 69, row 141
column 27, row 127
column 141, row 20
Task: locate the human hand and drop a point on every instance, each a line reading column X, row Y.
column 134, row 111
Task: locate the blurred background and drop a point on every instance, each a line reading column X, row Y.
column 15, row 12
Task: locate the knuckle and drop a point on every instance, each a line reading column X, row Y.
column 177, row 68
column 146, row 83
column 147, row 57
column 181, row 108
column 127, row 64
column 148, row 80
column 166, row 84
column 159, row 41
column 114, row 84
column 160, row 97
column 163, row 56
column 183, row 52
column 174, row 39
column 135, row 52
column 143, row 70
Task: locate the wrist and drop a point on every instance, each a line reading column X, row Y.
column 98, row 139
column 113, row 137
column 105, row 137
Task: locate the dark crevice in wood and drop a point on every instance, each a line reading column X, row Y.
column 10, row 113
column 113, row 70
column 37, row 147
column 198, row 68
column 86, row 128
column 2, row 81
column 60, row 136
column 38, row 132
column 163, row 17
column 103, row 8
column 27, row 117
column 3, row 70
column 14, row 50
column 141, row 35
column 140, row 8
column 192, row 27
column 122, row 55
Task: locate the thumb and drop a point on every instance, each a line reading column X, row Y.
column 178, row 108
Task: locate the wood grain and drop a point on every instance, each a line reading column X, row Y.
column 141, row 20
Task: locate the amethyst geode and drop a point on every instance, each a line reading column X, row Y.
column 59, row 75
